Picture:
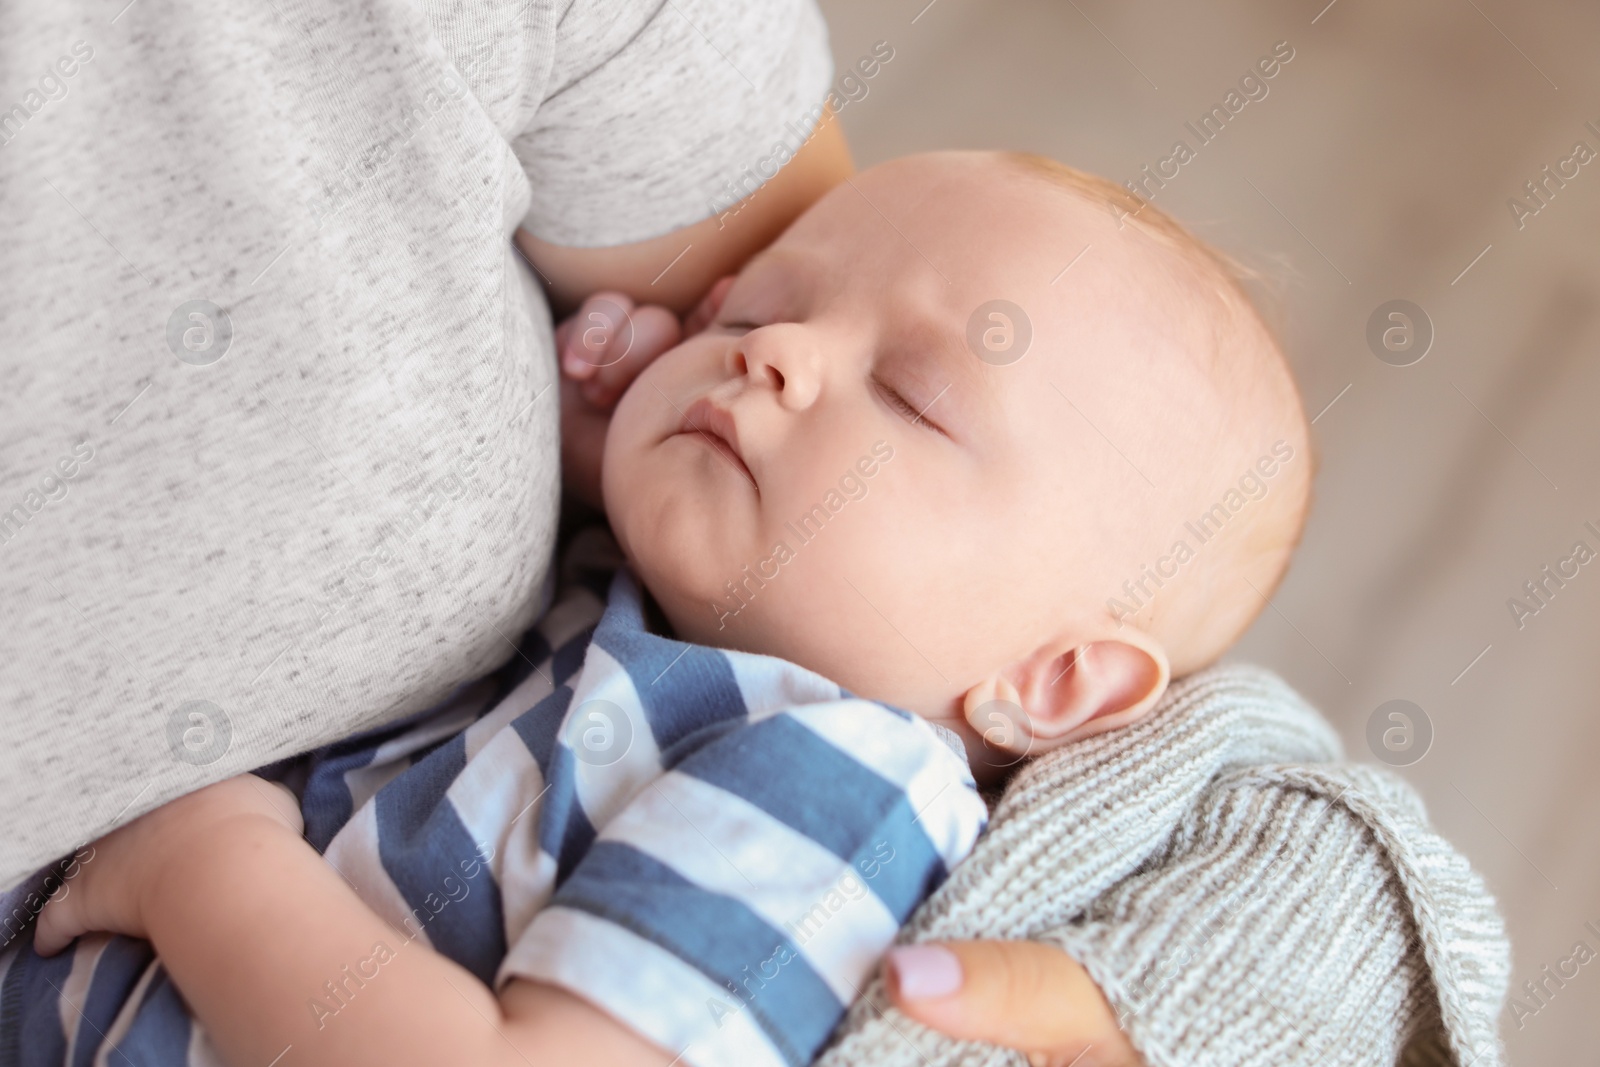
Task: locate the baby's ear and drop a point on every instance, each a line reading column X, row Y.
column 1062, row 694
column 705, row 312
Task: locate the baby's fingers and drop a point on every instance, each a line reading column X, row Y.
column 651, row 330
column 58, row 924
column 71, row 908
column 598, row 335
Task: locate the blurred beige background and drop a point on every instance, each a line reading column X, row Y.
column 1378, row 167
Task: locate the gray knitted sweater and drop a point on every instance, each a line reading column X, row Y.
column 1240, row 896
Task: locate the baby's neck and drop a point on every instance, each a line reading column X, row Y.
column 992, row 777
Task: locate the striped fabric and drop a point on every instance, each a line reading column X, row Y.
column 714, row 846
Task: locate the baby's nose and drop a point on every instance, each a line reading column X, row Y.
column 784, row 359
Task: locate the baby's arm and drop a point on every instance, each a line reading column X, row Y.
column 735, row 906
column 252, row 924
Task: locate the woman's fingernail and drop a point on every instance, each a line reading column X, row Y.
column 925, row 971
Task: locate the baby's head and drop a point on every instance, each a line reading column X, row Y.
column 944, row 439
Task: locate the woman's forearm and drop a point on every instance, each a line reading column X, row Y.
column 720, row 244
column 281, row 961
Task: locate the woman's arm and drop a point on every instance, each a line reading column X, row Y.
column 1304, row 915
column 715, row 246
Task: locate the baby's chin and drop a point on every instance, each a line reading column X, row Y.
column 687, row 608
column 690, row 573
column 669, row 548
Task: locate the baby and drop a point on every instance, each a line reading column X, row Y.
column 979, row 438
column 1064, row 380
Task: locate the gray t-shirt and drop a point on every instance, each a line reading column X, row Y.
column 278, row 432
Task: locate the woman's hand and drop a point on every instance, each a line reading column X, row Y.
column 1020, row 994
column 110, row 886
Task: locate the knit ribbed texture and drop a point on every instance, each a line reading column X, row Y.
column 1241, row 897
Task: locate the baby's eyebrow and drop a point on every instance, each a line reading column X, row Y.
column 788, row 264
column 952, row 369
column 952, row 374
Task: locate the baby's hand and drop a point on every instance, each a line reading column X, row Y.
column 610, row 339
column 602, row 349
column 109, row 889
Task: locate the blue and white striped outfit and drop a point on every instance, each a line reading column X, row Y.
column 714, row 846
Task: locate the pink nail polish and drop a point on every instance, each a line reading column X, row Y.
column 924, row 972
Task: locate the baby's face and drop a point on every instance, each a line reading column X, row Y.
column 845, row 472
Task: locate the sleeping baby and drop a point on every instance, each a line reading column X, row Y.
column 964, row 467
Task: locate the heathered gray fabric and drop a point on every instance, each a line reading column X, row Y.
column 1242, row 898
column 352, row 509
